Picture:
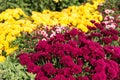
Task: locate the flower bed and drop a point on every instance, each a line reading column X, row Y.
column 15, row 21
column 74, row 56
column 53, row 47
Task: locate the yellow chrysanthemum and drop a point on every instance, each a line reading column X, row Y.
column 73, row 14
column 82, row 27
column 10, row 50
column 2, row 58
column 11, row 28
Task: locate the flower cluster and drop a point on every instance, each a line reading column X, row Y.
column 46, row 33
column 72, row 56
column 11, row 25
column 104, row 35
column 111, row 20
column 79, row 16
column 108, row 11
column 27, row 42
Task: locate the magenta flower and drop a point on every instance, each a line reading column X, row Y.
column 74, row 55
column 41, row 78
column 49, row 69
column 100, row 76
column 107, row 40
column 24, row 59
column 76, row 69
column 67, row 61
column 116, row 52
column 59, row 77
column 74, row 32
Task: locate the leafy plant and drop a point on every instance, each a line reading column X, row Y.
column 12, row 70
column 24, row 42
column 38, row 5
column 110, row 4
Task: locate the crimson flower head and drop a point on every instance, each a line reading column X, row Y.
column 74, row 32
column 107, row 40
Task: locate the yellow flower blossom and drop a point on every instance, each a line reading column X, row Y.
column 1, row 46
column 0, row 52
column 10, row 38
column 82, row 27
column 73, row 14
column 2, row 58
column 10, row 50
column 56, row 1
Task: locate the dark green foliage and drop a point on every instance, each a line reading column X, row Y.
column 38, row 5
column 4, row 53
column 111, row 4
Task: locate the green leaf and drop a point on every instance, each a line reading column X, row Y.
column 4, row 53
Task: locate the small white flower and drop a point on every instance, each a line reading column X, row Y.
column 110, row 26
column 53, row 34
column 108, row 11
column 44, row 33
column 113, row 24
column 111, row 21
column 111, row 17
column 106, row 18
column 58, row 30
column 105, row 22
column 44, row 39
